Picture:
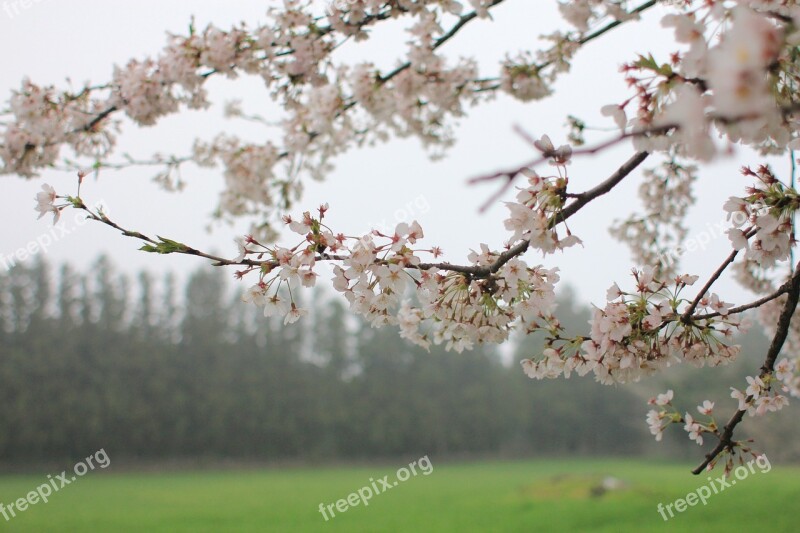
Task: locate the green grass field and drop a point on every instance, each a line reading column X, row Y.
column 489, row 496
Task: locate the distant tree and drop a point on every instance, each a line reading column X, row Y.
column 208, row 395
column 68, row 299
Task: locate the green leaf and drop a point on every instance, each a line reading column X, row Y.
column 165, row 246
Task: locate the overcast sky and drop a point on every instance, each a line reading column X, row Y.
column 50, row 41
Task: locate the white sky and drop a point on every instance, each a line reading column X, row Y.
column 50, row 41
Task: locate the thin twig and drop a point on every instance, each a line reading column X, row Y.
column 702, row 292
column 783, row 289
column 714, row 277
column 463, row 21
column 512, row 173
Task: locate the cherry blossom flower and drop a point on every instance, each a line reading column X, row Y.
column 613, row 292
column 741, row 398
column 241, row 244
column 294, row 314
column 694, row 429
column 558, row 156
column 706, row 408
column 275, row 306
column 737, row 66
column 617, row 113
column 754, row 386
column 664, row 399
column 45, row 202
column 655, row 425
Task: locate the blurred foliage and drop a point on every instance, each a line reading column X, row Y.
column 93, row 360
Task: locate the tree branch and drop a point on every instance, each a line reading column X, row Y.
column 781, row 332
column 477, row 271
column 783, row 289
column 512, row 173
column 580, row 201
column 713, row 279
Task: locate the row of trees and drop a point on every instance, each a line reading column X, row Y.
column 85, row 365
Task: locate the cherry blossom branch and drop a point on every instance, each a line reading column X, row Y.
column 89, row 126
column 169, row 246
column 702, row 292
column 782, row 331
column 321, row 32
column 584, row 198
column 382, row 80
column 783, row 289
column 105, row 113
column 580, row 201
column 171, row 161
column 783, row 323
column 179, row 247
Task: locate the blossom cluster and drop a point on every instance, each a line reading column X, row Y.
column 531, row 216
column 384, row 279
column 329, row 106
column 667, row 195
column 641, row 332
column 758, row 397
column 766, row 215
column 763, row 394
column 735, row 72
column 665, row 413
column 461, row 311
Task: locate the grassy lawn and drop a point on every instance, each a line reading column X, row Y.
column 490, row 496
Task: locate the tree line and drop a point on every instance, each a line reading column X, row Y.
column 149, row 369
